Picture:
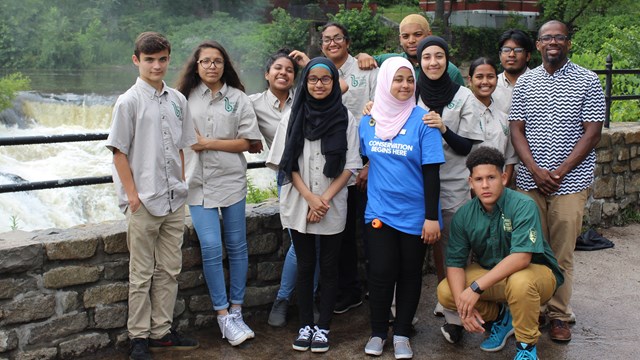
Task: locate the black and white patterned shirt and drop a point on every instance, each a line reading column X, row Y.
column 554, row 106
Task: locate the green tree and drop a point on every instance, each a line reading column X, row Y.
column 9, row 86
column 368, row 33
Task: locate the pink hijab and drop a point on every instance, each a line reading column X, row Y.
column 390, row 113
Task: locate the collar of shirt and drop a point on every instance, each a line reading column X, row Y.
column 567, row 68
column 204, row 91
column 275, row 102
column 505, row 81
column 348, row 65
column 498, row 207
column 149, row 90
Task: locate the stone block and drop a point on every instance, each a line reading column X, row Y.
column 634, row 164
column 67, row 301
column 122, row 340
column 632, row 137
column 617, row 138
column 604, row 155
column 56, row 329
column 71, row 275
column 117, row 270
column 179, row 307
column 190, row 279
column 8, row 340
column 268, row 271
column 623, row 154
column 72, row 250
column 604, row 187
column 39, row 354
column 610, row 209
column 28, row 309
column 110, row 316
column 83, row 344
column 262, row 244
column 191, row 257
column 595, row 212
column 200, row 303
column 106, row 294
column 182, row 325
column 632, row 185
column 114, row 238
column 619, row 187
column 205, row 321
column 14, row 286
column 255, row 296
column 633, row 151
column 18, row 258
column 619, row 167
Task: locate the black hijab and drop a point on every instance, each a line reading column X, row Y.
column 313, row 119
column 436, row 94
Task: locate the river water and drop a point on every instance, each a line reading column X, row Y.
column 66, row 102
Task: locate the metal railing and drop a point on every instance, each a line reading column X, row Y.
column 52, row 184
column 95, row 180
column 608, row 98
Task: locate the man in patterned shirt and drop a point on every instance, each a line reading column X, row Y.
column 556, row 120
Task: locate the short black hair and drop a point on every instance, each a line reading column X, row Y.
column 342, row 28
column 150, row 42
column 482, row 61
column 485, row 155
column 519, row 37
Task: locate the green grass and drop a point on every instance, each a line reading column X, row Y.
column 630, row 216
column 398, row 12
column 256, row 195
column 14, row 223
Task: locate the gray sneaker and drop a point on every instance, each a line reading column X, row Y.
column 230, row 330
column 374, row 346
column 237, row 317
column 278, row 314
column 401, row 347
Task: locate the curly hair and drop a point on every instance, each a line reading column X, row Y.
column 485, row 155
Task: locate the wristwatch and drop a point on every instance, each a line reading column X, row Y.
column 476, row 288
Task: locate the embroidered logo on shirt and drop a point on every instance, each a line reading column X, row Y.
column 177, row 109
column 228, row 105
column 354, row 81
column 533, row 236
column 451, row 105
column 506, row 225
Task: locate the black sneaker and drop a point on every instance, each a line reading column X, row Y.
column 139, row 349
column 347, row 303
column 303, row 341
column 452, row 333
column 173, row 341
column 320, row 341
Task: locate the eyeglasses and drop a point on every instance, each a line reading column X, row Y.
column 325, row 80
column 338, row 39
column 508, row 50
column 206, row 63
column 545, row 39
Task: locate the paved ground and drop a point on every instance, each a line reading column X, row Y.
column 606, row 300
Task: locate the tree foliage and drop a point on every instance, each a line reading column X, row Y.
column 9, row 86
column 367, row 30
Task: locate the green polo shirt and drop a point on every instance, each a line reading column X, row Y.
column 512, row 227
column 452, row 70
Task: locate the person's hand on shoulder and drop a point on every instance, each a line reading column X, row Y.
column 434, row 120
column 367, row 108
column 366, row 61
column 301, row 58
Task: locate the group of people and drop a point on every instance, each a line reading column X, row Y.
column 395, row 141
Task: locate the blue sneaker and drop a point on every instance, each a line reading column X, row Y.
column 526, row 352
column 500, row 331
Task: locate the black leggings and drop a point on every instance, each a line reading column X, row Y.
column 305, row 246
column 395, row 261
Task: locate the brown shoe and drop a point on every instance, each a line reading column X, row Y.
column 560, row 330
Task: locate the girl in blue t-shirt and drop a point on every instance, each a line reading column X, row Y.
column 402, row 214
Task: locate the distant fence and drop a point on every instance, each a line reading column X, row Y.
column 95, row 180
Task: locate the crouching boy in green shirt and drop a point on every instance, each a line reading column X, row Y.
column 514, row 270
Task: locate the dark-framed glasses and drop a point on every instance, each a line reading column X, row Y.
column 508, row 50
column 206, row 63
column 325, row 80
column 338, row 39
column 545, row 39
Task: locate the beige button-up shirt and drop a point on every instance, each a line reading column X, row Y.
column 267, row 108
column 293, row 206
column 362, row 86
column 496, row 130
column 151, row 127
column 219, row 178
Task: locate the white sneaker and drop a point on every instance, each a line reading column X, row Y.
column 402, row 348
column 230, row 330
column 439, row 310
column 237, row 317
column 374, row 346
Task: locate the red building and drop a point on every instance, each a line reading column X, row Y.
column 487, row 13
column 466, row 5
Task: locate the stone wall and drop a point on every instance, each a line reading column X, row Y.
column 616, row 189
column 63, row 293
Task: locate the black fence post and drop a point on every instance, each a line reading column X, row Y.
column 607, row 90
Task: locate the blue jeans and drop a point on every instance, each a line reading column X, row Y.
column 290, row 272
column 207, row 225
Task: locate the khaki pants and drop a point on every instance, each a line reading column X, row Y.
column 524, row 291
column 561, row 217
column 155, row 261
